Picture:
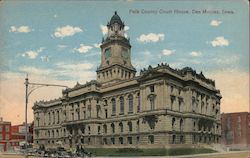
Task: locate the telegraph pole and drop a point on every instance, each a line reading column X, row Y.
column 26, row 107
column 27, row 93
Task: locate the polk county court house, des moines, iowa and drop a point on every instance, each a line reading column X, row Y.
column 160, row 107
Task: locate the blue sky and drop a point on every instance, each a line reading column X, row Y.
column 56, row 41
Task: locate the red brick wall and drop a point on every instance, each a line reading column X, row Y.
column 235, row 128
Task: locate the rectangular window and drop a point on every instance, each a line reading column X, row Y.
column 7, row 128
column 152, row 88
column 1, row 128
column 130, row 140
column 113, row 140
column 106, row 113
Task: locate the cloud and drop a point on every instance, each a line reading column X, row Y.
column 104, row 29
column 167, row 52
column 55, row 16
column 32, row 54
column 35, row 71
column 97, row 45
column 229, row 60
column 79, row 66
column 61, row 47
column 151, row 37
column 215, row 23
column 45, row 58
column 220, row 42
column 66, row 31
column 126, row 28
column 83, row 48
column 195, row 54
column 21, row 29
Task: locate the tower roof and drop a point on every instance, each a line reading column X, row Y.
column 115, row 19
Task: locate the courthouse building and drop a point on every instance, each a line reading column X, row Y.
column 159, row 107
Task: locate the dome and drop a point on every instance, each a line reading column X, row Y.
column 115, row 19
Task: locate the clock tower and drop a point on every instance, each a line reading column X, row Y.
column 115, row 54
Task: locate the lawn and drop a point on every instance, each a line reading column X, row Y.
column 148, row 152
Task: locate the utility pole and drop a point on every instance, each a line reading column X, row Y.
column 27, row 94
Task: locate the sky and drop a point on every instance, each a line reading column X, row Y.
column 58, row 42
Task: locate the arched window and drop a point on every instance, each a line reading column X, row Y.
column 113, row 128
column 121, row 105
column 113, row 106
column 130, row 103
column 121, row 127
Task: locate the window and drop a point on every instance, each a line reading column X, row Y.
column 130, row 128
column 106, row 113
column 78, row 115
column 138, row 139
column 113, row 128
column 173, row 139
column 58, row 117
column 112, row 140
column 194, row 127
column 121, row 105
column 172, row 89
column 54, row 117
column 72, row 116
column 49, row 118
column 49, row 134
column 1, row 128
column 152, row 103
column 130, row 140
column 82, row 140
column 121, row 140
column 138, row 125
column 89, row 140
column 130, row 103
column 172, row 102
column 113, row 106
column 173, row 123
column 89, row 129
column 180, row 104
column 105, row 141
column 181, row 139
column 7, row 128
column 105, row 129
column 84, row 114
column 139, row 106
column 181, row 125
column 99, row 129
column 152, row 88
column 151, row 139
column 7, row 137
column 121, row 127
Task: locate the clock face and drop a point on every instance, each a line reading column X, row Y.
column 125, row 54
column 107, row 53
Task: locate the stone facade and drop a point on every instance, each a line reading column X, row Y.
column 161, row 107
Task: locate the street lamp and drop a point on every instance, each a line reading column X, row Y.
column 27, row 94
